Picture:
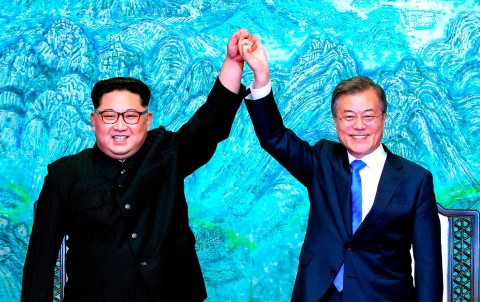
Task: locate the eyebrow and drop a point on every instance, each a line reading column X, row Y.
column 364, row 111
column 114, row 110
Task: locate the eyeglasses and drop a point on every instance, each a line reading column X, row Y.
column 130, row 117
column 351, row 119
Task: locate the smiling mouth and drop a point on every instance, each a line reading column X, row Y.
column 120, row 137
column 359, row 136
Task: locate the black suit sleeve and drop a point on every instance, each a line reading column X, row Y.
column 198, row 138
column 44, row 244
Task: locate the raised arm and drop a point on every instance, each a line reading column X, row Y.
column 211, row 123
column 281, row 143
column 232, row 69
column 253, row 52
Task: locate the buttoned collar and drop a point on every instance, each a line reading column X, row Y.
column 111, row 167
column 372, row 160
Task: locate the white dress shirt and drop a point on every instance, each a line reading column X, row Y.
column 370, row 176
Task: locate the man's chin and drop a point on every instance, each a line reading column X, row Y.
column 119, row 154
column 359, row 152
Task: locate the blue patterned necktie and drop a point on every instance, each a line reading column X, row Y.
column 356, row 190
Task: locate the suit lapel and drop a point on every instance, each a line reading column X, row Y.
column 343, row 182
column 390, row 179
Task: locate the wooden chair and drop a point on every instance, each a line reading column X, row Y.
column 461, row 254
column 60, row 273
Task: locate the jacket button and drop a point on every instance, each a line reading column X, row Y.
column 134, row 235
column 128, row 206
column 144, row 263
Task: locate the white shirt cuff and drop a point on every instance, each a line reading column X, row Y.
column 259, row 93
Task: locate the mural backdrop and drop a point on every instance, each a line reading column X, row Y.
column 248, row 214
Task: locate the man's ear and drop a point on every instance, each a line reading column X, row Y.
column 149, row 120
column 93, row 120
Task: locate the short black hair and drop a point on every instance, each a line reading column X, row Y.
column 120, row 84
column 355, row 85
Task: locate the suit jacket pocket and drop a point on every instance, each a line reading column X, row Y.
column 94, row 209
column 401, row 200
column 88, row 201
column 305, row 257
column 393, row 289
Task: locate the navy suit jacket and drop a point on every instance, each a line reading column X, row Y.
column 377, row 257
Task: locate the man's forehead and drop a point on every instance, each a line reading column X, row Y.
column 358, row 109
column 118, row 109
column 120, row 101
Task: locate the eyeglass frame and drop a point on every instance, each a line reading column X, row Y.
column 362, row 118
column 121, row 114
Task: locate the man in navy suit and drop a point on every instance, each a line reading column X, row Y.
column 339, row 262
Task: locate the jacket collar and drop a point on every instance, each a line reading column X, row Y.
column 343, row 182
column 110, row 167
column 390, row 179
column 392, row 176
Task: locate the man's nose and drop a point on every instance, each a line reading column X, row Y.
column 359, row 123
column 120, row 123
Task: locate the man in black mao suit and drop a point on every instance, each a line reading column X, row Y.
column 397, row 209
column 122, row 202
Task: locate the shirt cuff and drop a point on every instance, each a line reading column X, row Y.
column 256, row 94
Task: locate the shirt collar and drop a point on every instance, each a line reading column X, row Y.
column 373, row 159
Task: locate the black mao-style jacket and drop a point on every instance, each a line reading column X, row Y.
column 127, row 223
